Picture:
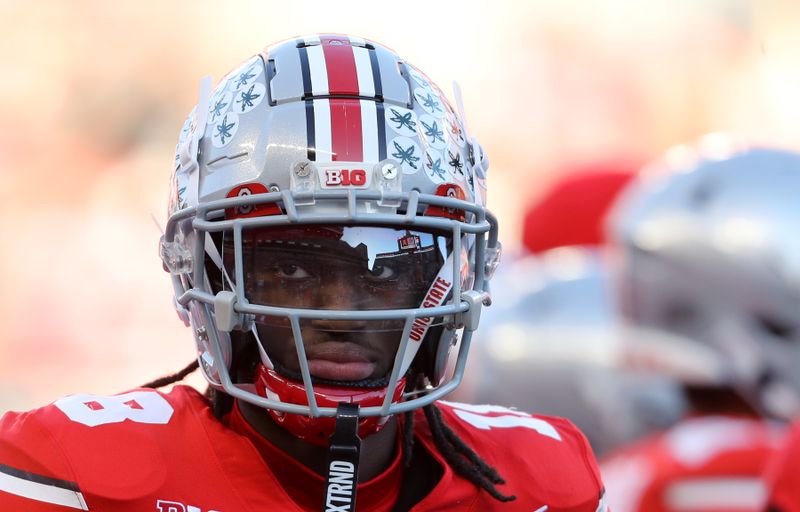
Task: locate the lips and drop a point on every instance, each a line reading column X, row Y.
column 339, row 360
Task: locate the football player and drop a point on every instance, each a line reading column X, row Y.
column 783, row 475
column 710, row 296
column 330, row 249
column 551, row 335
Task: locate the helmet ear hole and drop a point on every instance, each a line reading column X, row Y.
column 211, row 366
column 446, row 354
column 425, row 361
column 436, row 357
column 207, row 335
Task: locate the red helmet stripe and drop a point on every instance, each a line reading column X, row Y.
column 346, row 131
column 342, row 129
column 341, row 66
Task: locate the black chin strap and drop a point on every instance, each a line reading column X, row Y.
column 342, row 478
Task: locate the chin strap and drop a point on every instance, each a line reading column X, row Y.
column 342, row 479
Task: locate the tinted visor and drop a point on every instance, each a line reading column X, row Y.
column 337, row 267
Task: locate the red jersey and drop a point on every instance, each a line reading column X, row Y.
column 702, row 464
column 783, row 475
column 145, row 451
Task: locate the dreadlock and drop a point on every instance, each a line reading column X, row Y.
column 173, row 378
column 459, row 456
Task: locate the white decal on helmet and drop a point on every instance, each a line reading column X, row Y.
column 245, row 75
column 402, row 121
column 454, row 162
column 407, row 153
column 417, row 76
column 220, row 104
column 429, row 101
column 435, row 166
column 433, row 131
column 224, row 130
column 248, row 98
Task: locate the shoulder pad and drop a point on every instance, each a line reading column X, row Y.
column 541, row 457
column 692, row 465
column 113, row 447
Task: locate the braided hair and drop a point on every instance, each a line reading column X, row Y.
column 459, row 456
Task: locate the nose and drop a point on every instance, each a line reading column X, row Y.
column 338, row 293
column 338, row 325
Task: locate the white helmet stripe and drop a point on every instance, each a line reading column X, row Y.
column 318, row 70
column 369, row 131
column 366, row 81
column 322, row 130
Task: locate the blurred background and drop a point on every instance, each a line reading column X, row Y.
column 94, row 94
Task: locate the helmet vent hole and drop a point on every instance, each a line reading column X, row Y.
column 701, row 196
column 775, row 327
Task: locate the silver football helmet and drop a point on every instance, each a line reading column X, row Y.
column 709, row 273
column 326, row 186
column 550, row 344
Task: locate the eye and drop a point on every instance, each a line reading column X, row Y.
column 382, row 273
column 291, row 271
column 777, row 328
column 679, row 314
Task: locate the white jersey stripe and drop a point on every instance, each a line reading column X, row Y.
column 358, row 40
column 313, row 39
column 366, row 82
column 322, row 129
column 721, row 493
column 42, row 492
column 318, row 70
column 369, row 131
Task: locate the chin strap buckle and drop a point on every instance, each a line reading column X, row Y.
column 341, row 481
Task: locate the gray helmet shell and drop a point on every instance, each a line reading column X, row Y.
column 327, row 129
column 709, row 273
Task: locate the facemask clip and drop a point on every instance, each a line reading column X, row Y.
column 342, row 475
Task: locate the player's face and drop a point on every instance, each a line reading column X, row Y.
column 337, row 269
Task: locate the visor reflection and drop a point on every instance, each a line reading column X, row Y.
column 338, row 268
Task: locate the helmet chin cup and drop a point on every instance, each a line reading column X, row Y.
column 270, row 384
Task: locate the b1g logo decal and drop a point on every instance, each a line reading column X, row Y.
column 340, row 176
column 175, row 506
column 345, row 177
column 137, row 406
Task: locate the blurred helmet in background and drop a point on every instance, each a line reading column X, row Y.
column 550, row 343
column 707, row 278
column 571, row 212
